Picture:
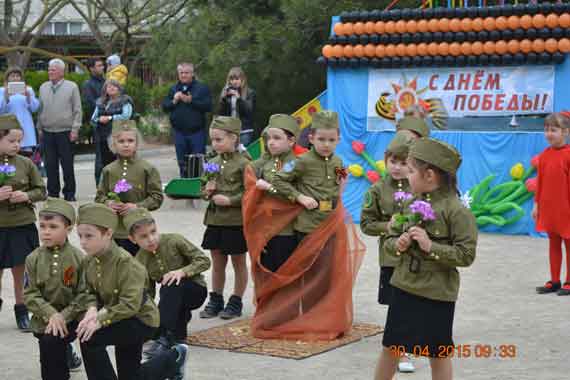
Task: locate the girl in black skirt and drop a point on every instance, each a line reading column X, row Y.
column 20, row 186
column 425, row 280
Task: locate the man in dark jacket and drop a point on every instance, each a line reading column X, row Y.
column 91, row 88
column 188, row 101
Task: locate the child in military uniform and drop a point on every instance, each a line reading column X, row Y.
column 425, row 279
column 120, row 312
column 413, row 127
column 21, row 186
column 280, row 136
column 177, row 265
column 224, row 232
column 54, row 288
column 128, row 182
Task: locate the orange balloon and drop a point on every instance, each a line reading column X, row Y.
column 477, row 47
column 501, row 47
column 412, row 26
column 552, row 20
column 411, row 50
column 348, row 28
column 348, row 51
column 467, row 24
column 380, row 27
column 466, row 48
column 433, row 48
column 338, row 29
column 401, row 26
column 538, row 21
column 369, row 27
column 423, row 26
column 359, row 50
column 422, row 49
column 443, row 25
column 370, row 50
column 489, row 47
column 514, row 22
column 390, row 50
column 501, row 23
column 359, row 28
column 564, row 45
column 489, row 23
column 551, row 45
column 477, row 24
column 455, row 25
column 538, row 45
column 327, row 51
column 338, row 51
column 513, row 46
column 443, row 48
column 401, row 50
column 526, row 46
column 455, row 49
column 433, row 25
column 380, row 51
column 390, row 27
column 564, row 20
column 526, row 21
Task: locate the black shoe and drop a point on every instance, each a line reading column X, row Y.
column 163, row 343
column 549, row 287
column 73, row 359
column 70, row 198
column 22, row 318
column 214, row 307
column 180, row 366
column 564, row 290
column 233, row 308
column 1, row 302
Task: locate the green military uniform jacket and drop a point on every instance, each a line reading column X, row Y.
column 27, row 179
column 229, row 182
column 313, row 176
column 174, row 252
column 266, row 167
column 434, row 275
column 377, row 210
column 146, row 191
column 54, row 284
column 118, row 285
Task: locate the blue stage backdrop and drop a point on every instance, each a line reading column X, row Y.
column 483, row 153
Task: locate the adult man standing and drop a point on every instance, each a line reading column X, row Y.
column 91, row 88
column 58, row 125
column 188, row 101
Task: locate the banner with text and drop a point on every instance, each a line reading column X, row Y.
column 450, row 93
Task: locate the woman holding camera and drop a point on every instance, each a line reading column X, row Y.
column 20, row 103
column 238, row 100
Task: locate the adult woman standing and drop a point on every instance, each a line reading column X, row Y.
column 238, row 100
column 21, row 105
column 113, row 104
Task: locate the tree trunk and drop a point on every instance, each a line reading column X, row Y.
column 15, row 58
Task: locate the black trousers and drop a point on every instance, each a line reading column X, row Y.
column 176, row 305
column 53, row 354
column 103, row 155
column 128, row 337
column 277, row 251
column 59, row 149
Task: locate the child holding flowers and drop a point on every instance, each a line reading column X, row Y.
column 20, row 187
column 552, row 204
column 434, row 236
column 224, row 231
column 128, row 182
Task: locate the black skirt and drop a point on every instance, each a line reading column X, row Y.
column 277, row 251
column 419, row 326
column 16, row 243
column 228, row 239
column 385, row 289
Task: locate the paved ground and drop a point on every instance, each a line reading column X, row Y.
column 497, row 306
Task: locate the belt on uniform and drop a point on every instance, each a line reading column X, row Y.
column 416, row 264
column 327, row 205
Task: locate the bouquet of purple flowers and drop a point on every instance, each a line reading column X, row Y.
column 418, row 212
column 211, row 171
column 122, row 186
column 6, row 171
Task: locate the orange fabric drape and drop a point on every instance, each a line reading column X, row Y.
column 310, row 296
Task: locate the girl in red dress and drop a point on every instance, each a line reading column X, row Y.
column 552, row 201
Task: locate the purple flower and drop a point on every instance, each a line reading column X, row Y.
column 424, row 209
column 122, row 186
column 402, row 196
column 211, row 167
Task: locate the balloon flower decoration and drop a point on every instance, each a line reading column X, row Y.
column 500, row 205
column 356, row 170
